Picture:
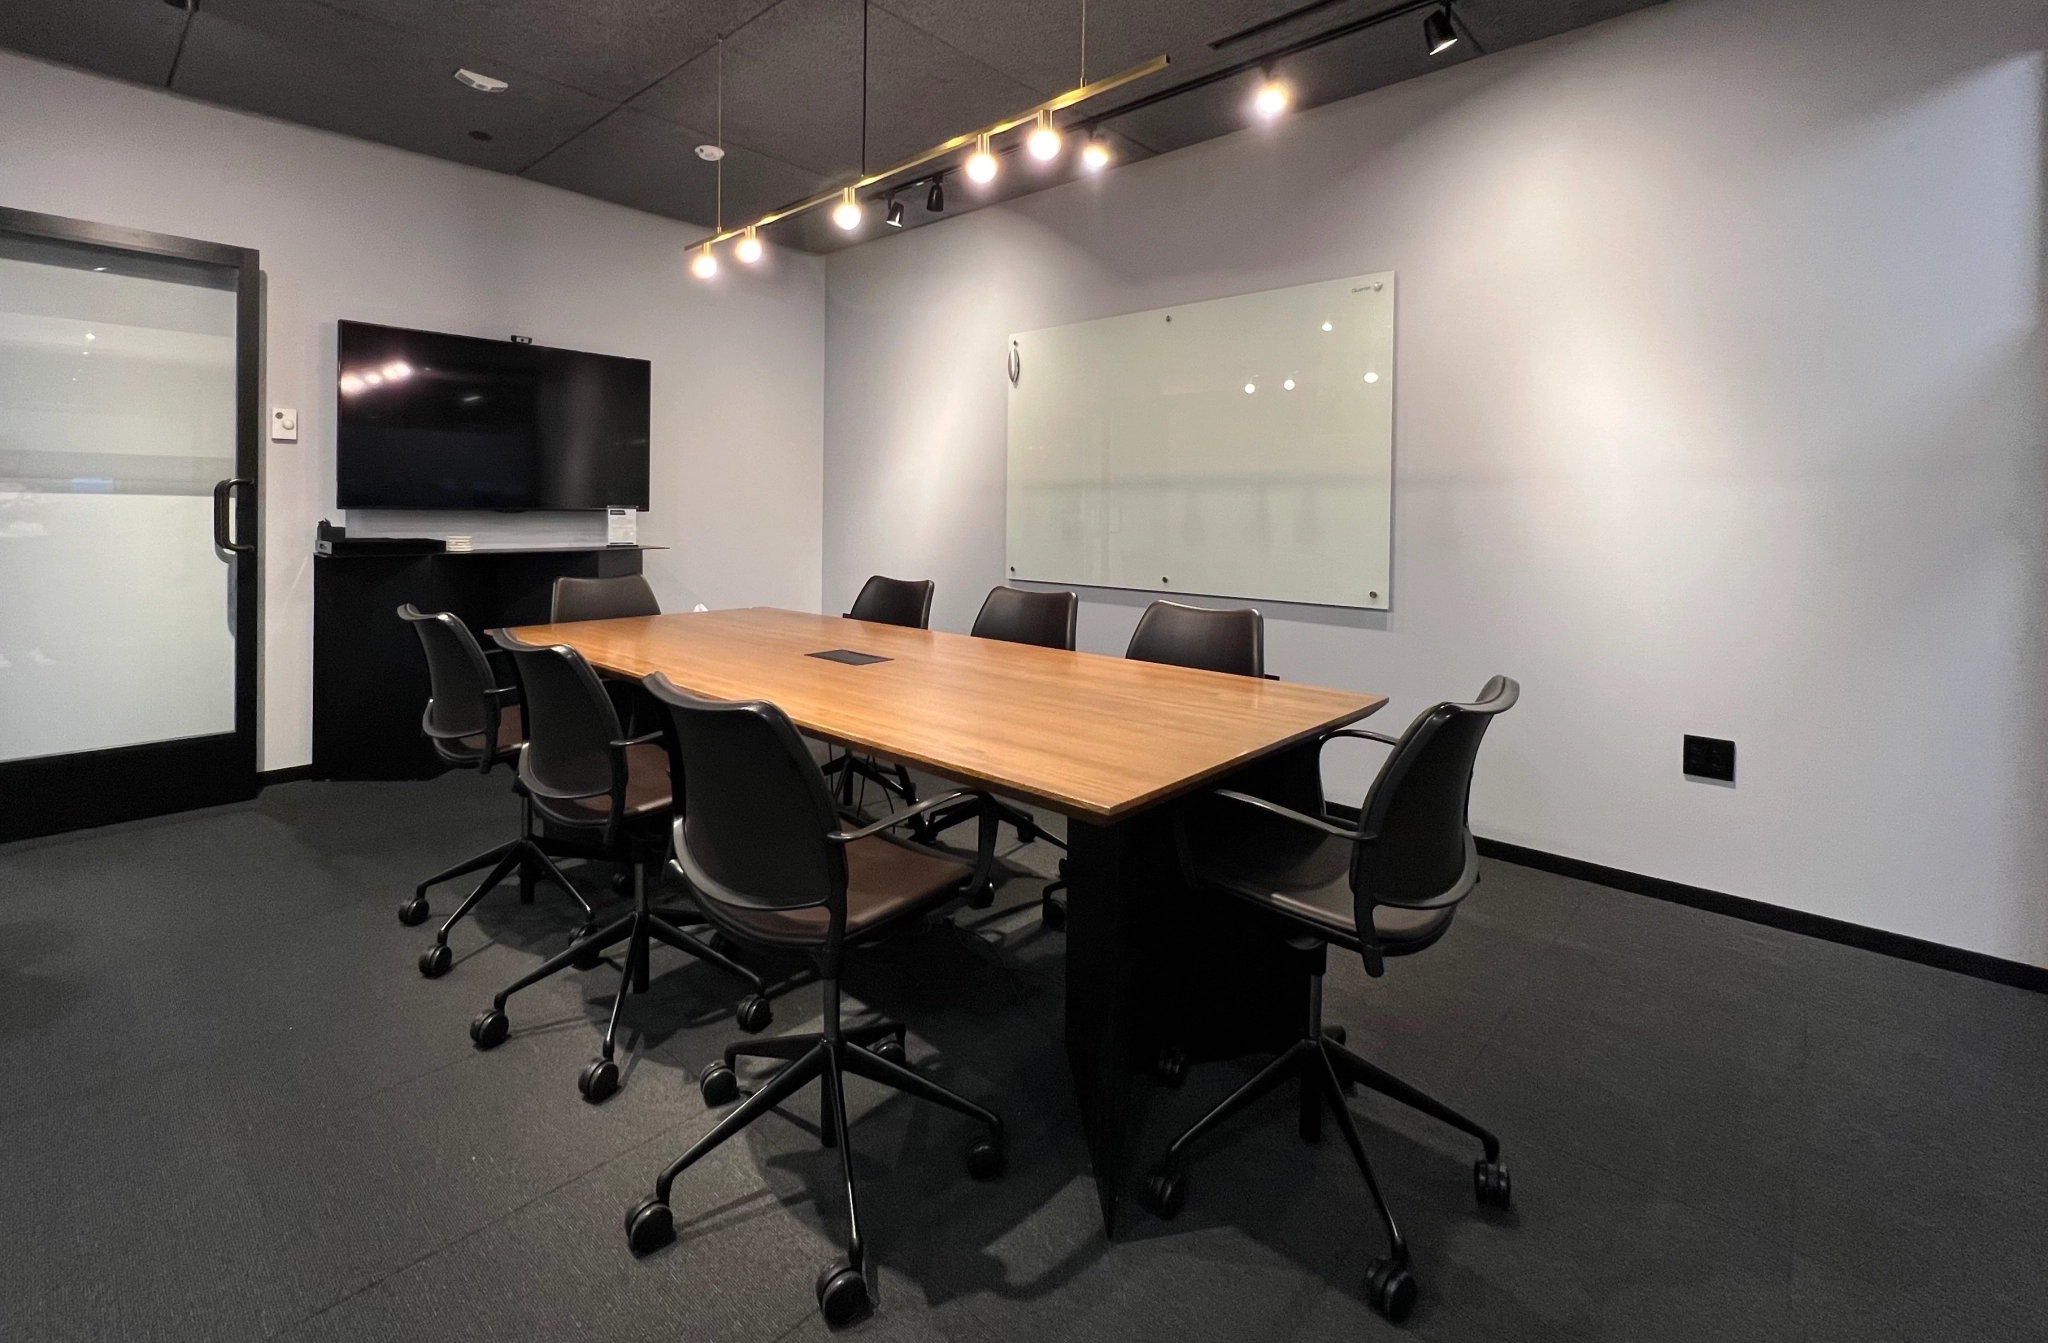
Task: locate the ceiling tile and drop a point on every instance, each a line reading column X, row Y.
column 923, row 91
column 310, row 64
column 792, row 86
column 611, row 49
column 651, row 164
column 130, row 39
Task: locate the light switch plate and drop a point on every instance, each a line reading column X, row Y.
column 284, row 425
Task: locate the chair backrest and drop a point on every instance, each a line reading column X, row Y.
column 459, row 678
column 1196, row 636
column 1417, row 841
column 751, row 832
column 1019, row 617
column 895, row 601
column 601, row 599
column 570, row 723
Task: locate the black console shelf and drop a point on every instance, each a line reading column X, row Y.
column 369, row 678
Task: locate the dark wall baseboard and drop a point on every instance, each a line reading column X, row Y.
column 1976, row 963
column 265, row 778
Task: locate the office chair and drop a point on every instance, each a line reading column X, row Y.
column 1013, row 616
column 601, row 599
column 1386, row 885
column 761, row 844
column 605, row 797
column 473, row 722
column 1196, row 636
column 884, row 601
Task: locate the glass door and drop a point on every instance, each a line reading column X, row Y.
column 128, row 574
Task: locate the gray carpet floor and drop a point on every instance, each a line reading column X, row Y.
column 233, row 1109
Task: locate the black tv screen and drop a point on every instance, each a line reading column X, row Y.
column 434, row 421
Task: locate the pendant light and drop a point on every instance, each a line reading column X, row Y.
column 981, row 164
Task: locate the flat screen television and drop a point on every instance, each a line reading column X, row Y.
column 453, row 422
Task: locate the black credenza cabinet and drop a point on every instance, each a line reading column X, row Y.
column 369, row 676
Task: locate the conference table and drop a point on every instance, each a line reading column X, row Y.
column 1152, row 964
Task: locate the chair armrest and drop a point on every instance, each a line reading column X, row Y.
column 848, row 836
column 1360, row 732
column 642, row 740
column 1287, row 814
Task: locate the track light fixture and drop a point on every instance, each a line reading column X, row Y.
column 1095, row 154
column 847, row 214
column 895, row 215
column 1044, row 140
column 704, row 265
column 748, row 249
column 981, row 164
column 935, row 199
column 1438, row 33
column 1271, row 99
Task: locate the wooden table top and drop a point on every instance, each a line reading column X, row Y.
column 1090, row 736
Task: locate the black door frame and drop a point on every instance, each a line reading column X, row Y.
column 48, row 794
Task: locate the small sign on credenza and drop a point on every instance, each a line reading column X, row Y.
column 621, row 527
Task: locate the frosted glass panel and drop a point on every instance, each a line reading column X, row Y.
column 1241, row 447
column 117, row 406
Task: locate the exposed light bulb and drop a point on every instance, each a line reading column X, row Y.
column 397, row 371
column 373, row 380
column 1094, row 155
column 1044, row 141
column 981, row 165
column 1271, row 100
column 351, row 383
column 704, row 265
column 847, row 214
column 748, row 249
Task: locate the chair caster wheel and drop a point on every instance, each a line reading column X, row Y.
column 720, row 1085
column 1490, row 1183
column 650, row 1226
column 599, row 1080
column 1027, row 832
column 1052, row 914
column 842, row 1295
column 982, row 896
column 435, row 960
column 413, row 912
column 489, row 1030
column 1165, row 1192
column 1334, row 1034
column 1390, row 1289
column 590, row 958
column 754, row 1014
column 1171, row 1067
column 985, row 1159
column 892, row 1050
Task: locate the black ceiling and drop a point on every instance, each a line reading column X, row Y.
column 611, row 97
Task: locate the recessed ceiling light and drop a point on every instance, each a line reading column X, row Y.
column 481, row 83
column 710, row 153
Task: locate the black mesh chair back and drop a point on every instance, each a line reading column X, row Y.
column 895, row 601
column 602, row 599
column 570, row 728
column 462, row 716
column 751, row 834
column 1195, row 636
column 1415, row 837
column 1019, row 617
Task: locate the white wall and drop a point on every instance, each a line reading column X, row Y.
column 1721, row 398
column 350, row 229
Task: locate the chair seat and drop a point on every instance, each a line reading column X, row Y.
column 511, row 732
column 647, row 791
column 1310, row 882
column 886, row 879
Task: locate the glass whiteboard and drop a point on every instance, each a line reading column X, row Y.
column 1241, row 447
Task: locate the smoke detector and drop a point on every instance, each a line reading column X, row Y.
column 482, row 83
column 710, row 153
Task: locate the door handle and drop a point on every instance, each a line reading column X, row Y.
column 223, row 498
